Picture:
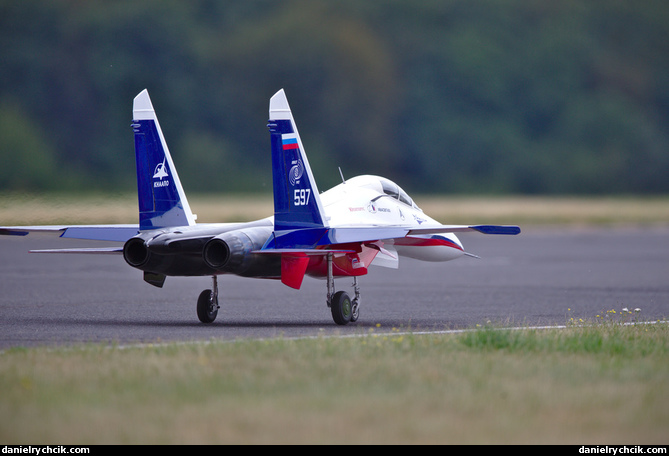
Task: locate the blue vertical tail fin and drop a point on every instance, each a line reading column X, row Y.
column 162, row 201
column 299, row 219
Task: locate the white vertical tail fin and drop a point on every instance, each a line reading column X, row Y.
column 162, row 201
column 299, row 219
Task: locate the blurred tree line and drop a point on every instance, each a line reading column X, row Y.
column 530, row 96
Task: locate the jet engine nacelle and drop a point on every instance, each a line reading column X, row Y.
column 167, row 253
column 136, row 252
column 231, row 252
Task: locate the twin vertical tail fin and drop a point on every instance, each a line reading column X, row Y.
column 299, row 219
column 162, row 201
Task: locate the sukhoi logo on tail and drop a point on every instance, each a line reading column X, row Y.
column 160, row 172
column 296, row 172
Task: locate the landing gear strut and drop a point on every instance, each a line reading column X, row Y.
column 207, row 304
column 344, row 310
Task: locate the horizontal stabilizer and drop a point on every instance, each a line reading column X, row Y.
column 88, row 250
column 308, row 252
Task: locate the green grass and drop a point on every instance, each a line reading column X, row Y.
column 605, row 383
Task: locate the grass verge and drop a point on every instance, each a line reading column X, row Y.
column 605, row 383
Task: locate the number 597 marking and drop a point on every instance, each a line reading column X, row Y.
column 301, row 196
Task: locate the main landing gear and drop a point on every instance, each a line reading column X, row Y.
column 207, row 304
column 344, row 310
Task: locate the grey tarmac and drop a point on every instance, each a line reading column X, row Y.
column 544, row 276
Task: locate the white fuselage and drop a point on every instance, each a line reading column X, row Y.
column 375, row 201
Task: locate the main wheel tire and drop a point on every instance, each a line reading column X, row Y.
column 341, row 307
column 206, row 309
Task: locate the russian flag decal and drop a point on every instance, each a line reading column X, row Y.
column 289, row 143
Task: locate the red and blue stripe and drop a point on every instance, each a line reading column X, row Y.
column 289, row 143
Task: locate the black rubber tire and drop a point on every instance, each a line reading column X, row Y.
column 341, row 308
column 205, row 311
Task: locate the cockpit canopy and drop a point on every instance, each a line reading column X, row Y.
column 383, row 185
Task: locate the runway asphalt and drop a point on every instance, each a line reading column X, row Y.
column 544, row 276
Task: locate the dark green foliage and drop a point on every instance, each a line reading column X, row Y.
column 443, row 96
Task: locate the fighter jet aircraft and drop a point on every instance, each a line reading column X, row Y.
column 366, row 220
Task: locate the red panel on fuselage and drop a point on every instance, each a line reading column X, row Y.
column 343, row 264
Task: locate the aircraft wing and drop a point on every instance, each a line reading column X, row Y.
column 485, row 229
column 342, row 235
column 120, row 233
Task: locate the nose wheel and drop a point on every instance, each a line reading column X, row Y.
column 207, row 304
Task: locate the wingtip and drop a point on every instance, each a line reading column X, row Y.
column 497, row 229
